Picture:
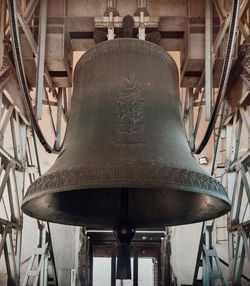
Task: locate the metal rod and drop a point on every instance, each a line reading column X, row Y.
column 208, row 58
column 59, row 119
column 135, row 273
column 2, row 30
column 52, row 253
column 222, row 120
column 41, row 57
column 198, row 119
column 34, row 47
column 11, row 203
column 21, row 75
column 224, row 75
column 14, row 141
column 113, row 266
column 236, row 218
column 237, row 143
column 50, row 111
column 191, row 118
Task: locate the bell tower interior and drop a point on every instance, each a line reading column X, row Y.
column 124, row 142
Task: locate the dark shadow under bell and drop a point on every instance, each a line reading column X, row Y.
column 100, row 208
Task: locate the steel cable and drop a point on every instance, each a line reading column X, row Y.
column 16, row 47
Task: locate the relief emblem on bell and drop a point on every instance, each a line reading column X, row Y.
column 129, row 110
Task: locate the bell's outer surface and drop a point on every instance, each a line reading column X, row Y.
column 126, row 132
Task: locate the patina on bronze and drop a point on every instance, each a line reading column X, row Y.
column 125, row 132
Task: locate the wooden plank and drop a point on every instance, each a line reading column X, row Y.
column 6, row 120
column 220, row 10
column 173, row 24
column 34, row 47
column 3, row 240
column 5, row 179
column 245, row 182
column 27, row 14
column 13, row 94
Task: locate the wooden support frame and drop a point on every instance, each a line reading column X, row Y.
column 236, row 166
column 206, row 254
column 42, row 72
column 34, row 46
column 239, row 251
column 11, row 228
column 19, row 157
column 220, row 10
column 11, row 225
column 211, row 50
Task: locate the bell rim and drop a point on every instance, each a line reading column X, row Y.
column 219, row 201
column 130, row 185
column 50, row 218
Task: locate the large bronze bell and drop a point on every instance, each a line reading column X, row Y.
column 125, row 133
column 126, row 161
